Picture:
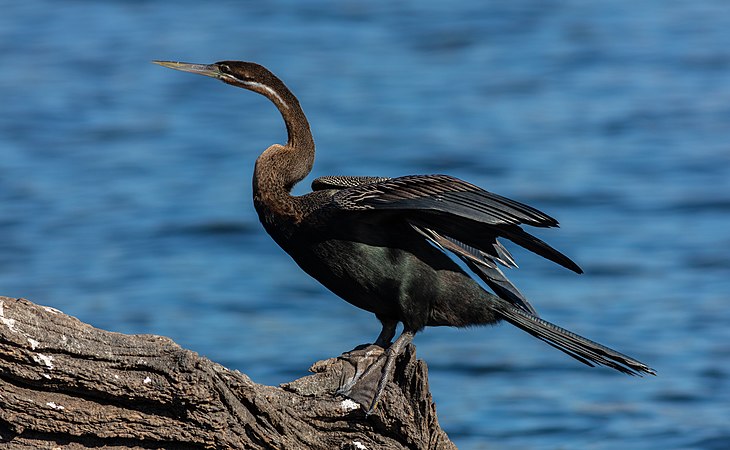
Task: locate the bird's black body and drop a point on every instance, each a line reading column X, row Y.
column 396, row 274
column 381, row 243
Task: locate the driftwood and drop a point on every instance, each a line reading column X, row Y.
column 65, row 384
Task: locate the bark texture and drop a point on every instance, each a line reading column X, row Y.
column 67, row 385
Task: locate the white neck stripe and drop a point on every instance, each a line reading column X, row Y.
column 267, row 89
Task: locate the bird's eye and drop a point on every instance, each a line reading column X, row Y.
column 225, row 68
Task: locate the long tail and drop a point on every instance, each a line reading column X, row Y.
column 580, row 348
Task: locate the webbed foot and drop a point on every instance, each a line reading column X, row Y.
column 373, row 369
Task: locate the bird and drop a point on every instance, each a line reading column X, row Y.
column 391, row 246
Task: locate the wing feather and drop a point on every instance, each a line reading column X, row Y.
column 343, row 182
column 481, row 263
column 457, row 210
column 442, row 193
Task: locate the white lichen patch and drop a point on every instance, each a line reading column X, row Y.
column 43, row 359
column 147, row 380
column 52, row 310
column 55, row 406
column 359, row 445
column 348, row 405
column 33, row 343
column 10, row 323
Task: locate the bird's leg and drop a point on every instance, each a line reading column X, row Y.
column 387, row 333
column 392, row 355
column 368, row 355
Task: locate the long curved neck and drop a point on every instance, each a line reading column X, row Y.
column 299, row 136
column 280, row 167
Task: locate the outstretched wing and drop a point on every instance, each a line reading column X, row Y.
column 463, row 219
column 444, row 194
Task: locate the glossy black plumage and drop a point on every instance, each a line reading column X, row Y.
column 382, row 243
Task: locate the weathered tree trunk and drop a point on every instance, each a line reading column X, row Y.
column 65, row 384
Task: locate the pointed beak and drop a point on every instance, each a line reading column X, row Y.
column 209, row 70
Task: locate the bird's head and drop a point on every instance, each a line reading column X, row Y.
column 247, row 75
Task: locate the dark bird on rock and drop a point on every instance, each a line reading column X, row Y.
column 383, row 244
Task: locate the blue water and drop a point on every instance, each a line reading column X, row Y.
column 126, row 200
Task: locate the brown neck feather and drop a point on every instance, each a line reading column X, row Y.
column 280, row 167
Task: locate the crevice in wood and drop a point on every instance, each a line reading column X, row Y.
column 173, row 410
column 34, row 439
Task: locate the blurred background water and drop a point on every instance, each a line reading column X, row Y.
column 126, row 200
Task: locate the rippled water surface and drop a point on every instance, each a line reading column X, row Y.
column 126, row 200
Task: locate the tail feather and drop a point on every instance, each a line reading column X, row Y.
column 583, row 349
